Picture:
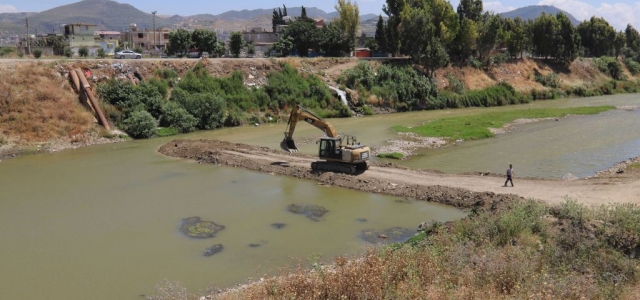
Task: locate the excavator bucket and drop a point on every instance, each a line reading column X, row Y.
column 288, row 145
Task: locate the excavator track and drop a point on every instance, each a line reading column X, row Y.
column 336, row 167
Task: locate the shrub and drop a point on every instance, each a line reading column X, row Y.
column 207, row 108
column 609, row 66
column 360, row 77
column 549, row 80
column 138, row 49
column 6, row 51
column 100, row 53
column 633, row 66
column 83, row 51
column 175, row 116
column 67, row 52
column 161, row 85
column 149, row 95
column 455, row 84
column 37, row 53
column 140, row 124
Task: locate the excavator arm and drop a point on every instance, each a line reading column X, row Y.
column 299, row 113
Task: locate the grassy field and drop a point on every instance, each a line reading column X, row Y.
column 477, row 126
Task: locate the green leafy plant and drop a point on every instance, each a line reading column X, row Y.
column 37, row 53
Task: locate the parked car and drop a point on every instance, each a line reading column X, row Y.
column 128, row 54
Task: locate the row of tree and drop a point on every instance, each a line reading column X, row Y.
column 432, row 33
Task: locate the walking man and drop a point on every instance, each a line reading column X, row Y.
column 510, row 174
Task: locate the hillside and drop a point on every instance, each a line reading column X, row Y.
column 112, row 15
column 533, row 11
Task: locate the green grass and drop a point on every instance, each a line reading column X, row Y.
column 166, row 131
column 477, row 126
column 394, row 155
column 634, row 166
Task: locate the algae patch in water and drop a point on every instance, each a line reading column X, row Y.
column 196, row 228
column 313, row 212
column 387, row 236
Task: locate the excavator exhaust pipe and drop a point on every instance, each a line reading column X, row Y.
column 288, row 145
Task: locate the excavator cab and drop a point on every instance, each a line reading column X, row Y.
column 330, row 148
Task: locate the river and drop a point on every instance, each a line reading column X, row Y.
column 102, row 222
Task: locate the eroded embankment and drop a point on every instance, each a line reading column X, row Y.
column 274, row 162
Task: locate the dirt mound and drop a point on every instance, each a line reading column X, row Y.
column 297, row 165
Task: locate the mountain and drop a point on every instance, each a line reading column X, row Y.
column 107, row 14
column 533, row 11
column 112, row 15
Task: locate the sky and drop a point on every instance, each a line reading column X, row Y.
column 618, row 13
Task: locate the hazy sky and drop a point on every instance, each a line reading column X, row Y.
column 618, row 13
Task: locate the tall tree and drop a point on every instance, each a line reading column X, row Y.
column 393, row 9
column 465, row 42
column 633, row 38
column 381, row 35
column 179, row 42
column 421, row 41
column 488, row 33
column 517, row 39
column 284, row 11
column 618, row 43
column 567, row 40
column 236, row 42
column 204, row 40
column 303, row 15
column 348, row 19
column 304, row 35
column 333, row 40
column 597, row 36
column 470, row 9
column 544, row 32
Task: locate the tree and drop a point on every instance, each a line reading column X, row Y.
column 544, row 32
column 83, row 51
column 516, row 36
column 283, row 46
column 179, row 42
column 304, row 35
column 598, row 37
column 303, row 14
column 219, row 50
column 333, row 40
column 393, row 9
column 348, row 19
column 467, row 37
column 57, row 43
column 381, row 35
column 420, row 41
column 204, row 40
column 236, row 42
column 470, row 9
column 277, row 18
column 37, row 53
column 68, row 52
column 100, row 53
column 633, row 38
column 488, row 33
column 567, row 40
column 618, row 43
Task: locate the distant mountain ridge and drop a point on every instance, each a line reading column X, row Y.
column 112, row 15
column 533, row 11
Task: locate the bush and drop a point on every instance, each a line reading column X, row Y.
column 6, row 51
column 37, row 53
column 83, row 51
column 140, row 124
column 455, row 84
column 100, row 53
column 67, row 52
column 633, row 66
column 360, row 77
column 175, row 116
column 610, row 66
column 549, row 80
column 208, row 109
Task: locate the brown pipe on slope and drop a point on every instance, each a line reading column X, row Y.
column 94, row 102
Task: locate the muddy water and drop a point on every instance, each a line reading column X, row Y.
column 102, row 222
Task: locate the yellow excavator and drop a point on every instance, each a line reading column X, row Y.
column 349, row 158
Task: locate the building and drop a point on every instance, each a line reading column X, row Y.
column 80, row 34
column 108, row 40
column 146, row 39
column 261, row 39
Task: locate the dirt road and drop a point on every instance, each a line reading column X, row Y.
column 464, row 191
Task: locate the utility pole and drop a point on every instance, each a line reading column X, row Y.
column 28, row 38
column 154, row 31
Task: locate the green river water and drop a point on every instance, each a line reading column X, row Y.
column 102, row 222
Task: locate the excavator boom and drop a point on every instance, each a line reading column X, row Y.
column 299, row 113
column 337, row 157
